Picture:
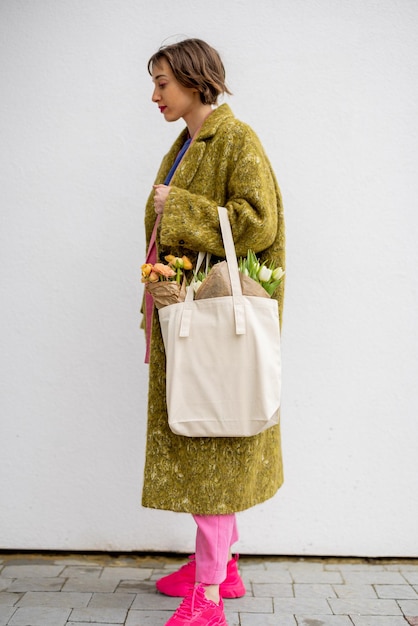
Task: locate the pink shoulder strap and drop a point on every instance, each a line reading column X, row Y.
column 149, row 303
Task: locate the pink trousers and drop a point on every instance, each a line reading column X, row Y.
column 214, row 538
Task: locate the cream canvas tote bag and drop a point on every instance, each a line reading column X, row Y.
column 223, row 359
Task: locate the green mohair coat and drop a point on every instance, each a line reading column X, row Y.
column 226, row 165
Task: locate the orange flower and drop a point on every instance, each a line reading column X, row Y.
column 170, row 258
column 146, row 270
column 187, row 264
column 153, row 277
column 164, row 270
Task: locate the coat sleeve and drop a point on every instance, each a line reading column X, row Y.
column 241, row 180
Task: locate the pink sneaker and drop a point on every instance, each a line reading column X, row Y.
column 197, row 610
column 179, row 583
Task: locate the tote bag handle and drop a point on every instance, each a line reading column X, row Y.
column 232, row 263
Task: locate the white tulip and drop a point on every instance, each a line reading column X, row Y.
column 278, row 273
column 264, row 274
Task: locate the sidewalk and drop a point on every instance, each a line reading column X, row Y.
column 88, row 590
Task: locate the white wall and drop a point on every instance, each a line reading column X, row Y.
column 331, row 89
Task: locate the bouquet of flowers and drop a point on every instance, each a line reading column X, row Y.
column 163, row 281
column 268, row 277
column 166, row 286
column 257, row 279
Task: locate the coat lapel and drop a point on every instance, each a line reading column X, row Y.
column 189, row 165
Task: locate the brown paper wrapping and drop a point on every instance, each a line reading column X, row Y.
column 217, row 283
column 166, row 292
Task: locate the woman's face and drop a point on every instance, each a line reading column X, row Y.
column 173, row 100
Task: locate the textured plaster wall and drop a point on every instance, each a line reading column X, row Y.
column 331, row 89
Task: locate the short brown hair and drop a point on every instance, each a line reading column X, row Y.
column 195, row 64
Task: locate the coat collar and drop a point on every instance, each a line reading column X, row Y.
column 185, row 172
column 213, row 121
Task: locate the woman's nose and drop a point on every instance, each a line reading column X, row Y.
column 155, row 96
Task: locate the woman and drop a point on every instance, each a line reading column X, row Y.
column 216, row 160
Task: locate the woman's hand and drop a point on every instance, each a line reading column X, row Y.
column 160, row 196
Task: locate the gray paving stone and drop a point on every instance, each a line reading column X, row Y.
column 359, row 566
column 407, row 566
column 357, row 606
column 155, row 602
column 5, row 614
column 170, row 566
column 136, row 586
column 301, row 606
column 99, row 615
column 91, row 624
column 36, row 584
column 411, row 577
column 251, row 565
column 374, row 578
column 79, row 561
column 232, row 618
column 23, row 559
column 251, row 619
column 154, row 562
column 314, row 591
column 55, row 599
column 272, row 566
column 91, row 585
column 409, row 607
column 361, row 620
column 308, row 565
column 261, row 576
column 5, row 583
column 112, row 600
column 324, row 620
column 40, row 616
column 396, row 592
column 9, row 599
column 247, row 604
column 31, row 571
column 318, row 576
column 249, row 592
column 147, row 618
column 78, row 571
column 355, row 591
column 270, row 590
column 126, row 573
